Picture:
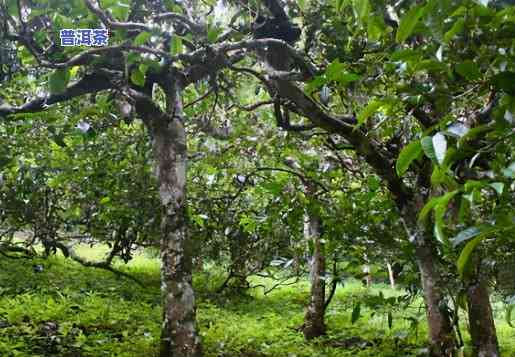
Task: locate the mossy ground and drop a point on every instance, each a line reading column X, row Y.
column 69, row 310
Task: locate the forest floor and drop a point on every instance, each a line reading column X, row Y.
column 55, row 307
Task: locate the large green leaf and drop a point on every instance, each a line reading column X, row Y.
column 427, row 146
column 455, row 29
column 408, row 154
column 375, row 28
column 137, row 77
column 440, row 210
column 428, row 207
column 362, row 8
column 142, row 38
column 505, row 81
column 440, row 147
column 498, row 187
column 176, row 46
column 469, row 70
column 464, row 258
column 440, row 201
column 369, row 110
column 408, row 23
column 465, row 235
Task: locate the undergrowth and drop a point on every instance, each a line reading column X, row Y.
column 55, row 307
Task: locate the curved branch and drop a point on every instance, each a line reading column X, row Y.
column 105, row 264
column 305, row 180
column 192, row 26
column 109, row 22
column 91, row 83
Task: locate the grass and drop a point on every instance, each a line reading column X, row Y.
column 69, row 310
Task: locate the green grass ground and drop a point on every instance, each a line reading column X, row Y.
column 69, row 310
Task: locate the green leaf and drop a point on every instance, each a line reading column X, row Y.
column 362, row 8
column 375, row 28
column 440, row 147
column 505, row 81
column 408, row 23
column 498, row 187
column 440, row 176
column 428, row 207
column 119, row 10
column 59, row 140
column 212, row 34
column 137, row 77
column 440, row 209
column 464, row 258
column 58, row 80
column 408, row 154
column 339, row 5
column 472, row 185
column 427, row 147
column 390, row 320
column 143, row 68
column 355, row 313
column 302, row 4
column 368, row 111
column 334, row 70
column 141, row 38
column 347, row 77
column 176, row 47
column 465, row 235
column 443, row 201
column 455, row 29
column 133, row 57
column 469, row 70
column 510, row 170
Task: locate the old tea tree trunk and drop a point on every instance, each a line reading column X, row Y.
column 481, row 320
column 442, row 337
column 314, row 325
column 179, row 336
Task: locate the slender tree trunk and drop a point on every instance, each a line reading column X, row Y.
column 179, row 336
column 238, row 253
column 390, row 275
column 481, row 321
column 368, row 275
column 314, row 324
column 441, row 334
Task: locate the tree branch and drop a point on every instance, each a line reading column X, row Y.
column 90, row 83
column 110, row 23
column 105, row 264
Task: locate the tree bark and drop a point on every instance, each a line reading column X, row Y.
column 314, row 324
column 239, row 257
column 441, row 334
column 481, row 321
column 179, row 336
column 443, row 340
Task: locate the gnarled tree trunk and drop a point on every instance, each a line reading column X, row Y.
column 441, row 333
column 314, row 324
column 442, row 337
column 179, row 336
column 481, row 320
